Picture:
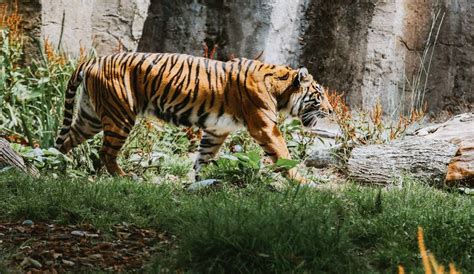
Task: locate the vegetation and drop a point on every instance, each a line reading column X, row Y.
column 354, row 229
column 367, row 127
column 31, row 97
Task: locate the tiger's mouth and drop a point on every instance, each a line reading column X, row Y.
column 311, row 115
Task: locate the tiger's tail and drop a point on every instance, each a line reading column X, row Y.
column 73, row 84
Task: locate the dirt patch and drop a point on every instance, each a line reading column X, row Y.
column 53, row 248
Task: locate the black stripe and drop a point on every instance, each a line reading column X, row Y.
column 114, row 135
column 196, row 86
column 109, row 145
column 89, row 117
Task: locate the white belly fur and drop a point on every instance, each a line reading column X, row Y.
column 223, row 124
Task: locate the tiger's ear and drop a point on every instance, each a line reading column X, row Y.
column 303, row 78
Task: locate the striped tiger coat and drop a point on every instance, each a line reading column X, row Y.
column 218, row 97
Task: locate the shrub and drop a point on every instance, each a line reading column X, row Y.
column 31, row 96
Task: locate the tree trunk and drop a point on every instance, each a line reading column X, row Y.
column 439, row 153
column 9, row 157
column 422, row 159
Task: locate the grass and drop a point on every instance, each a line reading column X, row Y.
column 355, row 229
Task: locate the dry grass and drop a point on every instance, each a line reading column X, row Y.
column 54, row 56
column 430, row 265
column 11, row 19
column 367, row 127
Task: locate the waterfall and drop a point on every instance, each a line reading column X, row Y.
column 282, row 44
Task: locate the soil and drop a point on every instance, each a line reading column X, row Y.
column 52, row 248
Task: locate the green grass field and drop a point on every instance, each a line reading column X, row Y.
column 353, row 229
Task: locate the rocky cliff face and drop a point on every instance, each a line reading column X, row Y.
column 383, row 51
column 451, row 82
column 370, row 50
column 105, row 25
column 240, row 28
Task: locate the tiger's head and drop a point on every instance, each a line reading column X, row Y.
column 304, row 98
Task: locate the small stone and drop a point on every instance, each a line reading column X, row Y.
column 322, row 158
column 202, row 184
column 78, row 233
column 35, row 263
column 27, row 223
column 92, row 235
column 57, row 255
column 236, row 148
column 27, row 262
column 310, row 185
column 68, row 263
column 95, row 256
column 135, row 158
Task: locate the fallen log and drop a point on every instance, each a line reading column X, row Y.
column 422, row 159
column 442, row 153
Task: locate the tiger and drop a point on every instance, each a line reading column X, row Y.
column 184, row 90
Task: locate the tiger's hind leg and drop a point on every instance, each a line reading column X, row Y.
column 85, row 126
column 114, row 138
column 210, row 145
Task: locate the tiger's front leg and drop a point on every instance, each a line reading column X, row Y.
column 269, row 137
column 210, row 144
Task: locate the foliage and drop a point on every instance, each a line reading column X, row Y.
column 417, row 85
column 154, row 148
column 50, row 159
column 298, row 139
column 367, row 127
column 354, row 229
column 245, row 168
column 238, row 169
column 31, row 97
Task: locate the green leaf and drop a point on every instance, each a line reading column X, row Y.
column 43, row 80
column 254, row 158
column 52, row 151
column 250, row 159
column 286, row 163
column 229, row 157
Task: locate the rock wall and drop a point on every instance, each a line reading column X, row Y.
column 105, row 25
column 335, row 44
column 30, row 10
column 117, row 24
column 77, row 28
column 451, row 83
column 370, row 50
column 240, row 28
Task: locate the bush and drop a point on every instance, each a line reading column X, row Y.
column 31, row 96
